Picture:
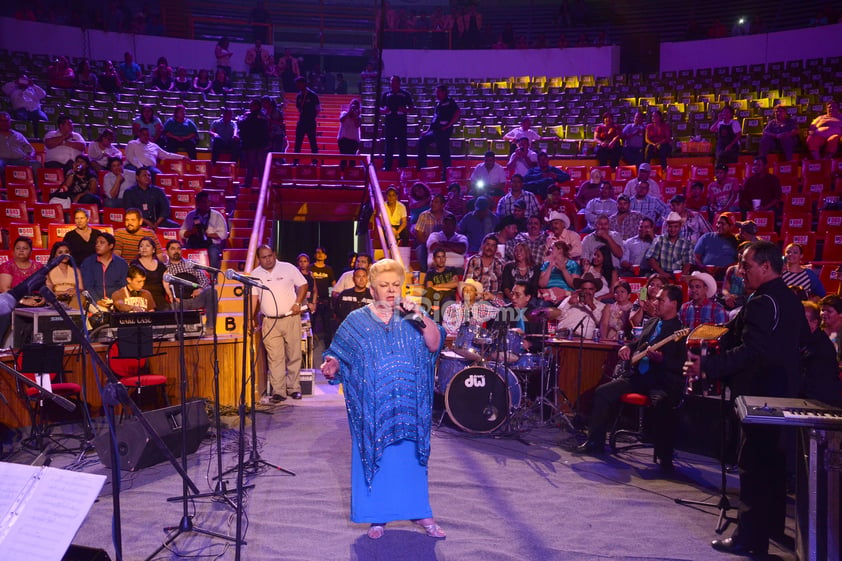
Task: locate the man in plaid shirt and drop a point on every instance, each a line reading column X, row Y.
column 197, row 298
column 670, row 252
column 701, row 307
column 625, row 221
column 535, row 238
column 506, row 204
column 486, row 268
column 648, row 205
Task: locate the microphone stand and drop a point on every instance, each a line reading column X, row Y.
column 186, row 523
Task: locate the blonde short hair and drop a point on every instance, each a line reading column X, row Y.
column 386, row 266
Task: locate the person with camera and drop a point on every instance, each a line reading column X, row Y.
column 80, row 185
column 348, row 138
column 205, row 228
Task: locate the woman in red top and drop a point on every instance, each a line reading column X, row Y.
column 19, row 268
column 658, row 139
column 607, row 137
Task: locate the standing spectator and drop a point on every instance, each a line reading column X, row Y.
column 506, row 205
column 761, row 186
column 723, row 192
column 62, row 144
column 348, row 138
column 280, row 321
column 307, row 103
column 395, row 104
column 341, row 86
column 277, row 129
column 312, row 299
column 109, row 80
column 525, row 130
column 658, row 139
column 325, row 280
column 728, row 134
column 153, row 203
column 150, row 121
column 223, row 55
column 80, row 185
column 258, row 59
column 181, row 133
column 445, row 116
column 86, row 79
column 82, row 239
column 633, row 140
column 289, row 70
column 15, row 149
column 26, row 97
column 115, row 183
column 607, row 137
column 824, row 132
column 142, row 152
column 129, row 70
column 781, row 132
column 225, row 137
column 254, row 135
column 522, row 158
column 205, row 228
column 101, row 150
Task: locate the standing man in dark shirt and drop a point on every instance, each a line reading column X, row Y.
column 445, row 116
column 354, row 298
column 254, row 138
column 325, row 278
column 395, row 104
column 759, row 356
column 308, row 106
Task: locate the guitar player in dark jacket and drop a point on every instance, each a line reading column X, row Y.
column 658, row 375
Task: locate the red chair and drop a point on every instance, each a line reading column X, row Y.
column 832, row 248
column 19, row 174
column 577, row 174
column 167, row 234
column 193, row 181
column 281, row 174
column 829, row 220
column 807, row 240
column 114, row 216
column 409, row 175
column 31, row 231
column 738, row 171
column 641, row 402
column 134, row 372
column 765, row 219
column 678, row 173
column 228, row 169
column 701, row 172
column 13, row 211
column 183, row 197
column 22, row 192
column 179, row 213
column 199, row 256
column 785, row 171
column 356, row 173
column 49, row 180
column 305, row 172
column 56, row 232
column 172, row 166
column 45, row 214
column 167, row 181
column 636, row 284
column 200, row 167
column 224, row 183
column 829, row 277
column 432, row 173
column 625, row 174
column 41, row 256
column 330, row 175
column 670, row 189
column 797, row 221
column 458, row 174
column 92, row 208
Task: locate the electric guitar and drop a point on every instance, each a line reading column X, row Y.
column 625, row 368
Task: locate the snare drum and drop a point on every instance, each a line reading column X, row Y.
column 528, row 362
column 471, row 342
column 478, row 399
column 449, row 364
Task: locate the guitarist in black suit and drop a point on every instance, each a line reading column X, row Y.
column 658, row 375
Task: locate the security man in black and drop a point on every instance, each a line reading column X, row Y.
column 445, row 116
column 395, row 104
column 308, row 106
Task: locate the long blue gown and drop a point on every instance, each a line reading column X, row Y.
column 387, row 374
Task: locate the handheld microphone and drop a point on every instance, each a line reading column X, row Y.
column 178, row 280
column 303, row 309
column 231, row 274
column 195, row 265
column 416, row 319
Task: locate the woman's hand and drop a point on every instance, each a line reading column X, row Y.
column 330, row 367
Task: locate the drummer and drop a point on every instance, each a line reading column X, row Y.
column 518, row 317
column 468, row 309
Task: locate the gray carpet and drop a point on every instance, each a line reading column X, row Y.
column 499, row 499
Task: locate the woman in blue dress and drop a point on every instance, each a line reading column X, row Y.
column 385, row 360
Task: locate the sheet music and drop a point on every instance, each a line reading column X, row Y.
column 41, row 509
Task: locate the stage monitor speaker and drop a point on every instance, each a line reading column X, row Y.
column 82, row 553
column 135, row 447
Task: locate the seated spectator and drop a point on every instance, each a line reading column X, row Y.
column 440, row 284
column 647, row 205
column 25, row 97
column 428, row 222
column 64, row 281
column 448, row 239
column 694, row 223
column 634, row 261
column 455, row 204
column 559, row 229
column 148, row 120
column 603, row 236
column 614, row 324
column 558, row 272
column 580, row 312
column 115, row 183
column 477, row 224
column 488, row 178
column 670, row 252
column 747, row 231
column 129, row 70
column 539, row 178
column 824, row 132
column 61, row 75
column 734, row 293
column 153, row 270
column 522, row 268
column 225, row 137
column 831, row 306
column 644, row 310
column 506, row 204
column 761, row 186
column 780, row 133
column 486, row 268
column 109, row 80
column 202, row 82
column 633, row 140
column 86, row 79
column 128, row 238
column 696, row 198
column 202, row 298
column 101, row 150
column 397, row 216
column 728, row 134
column 591, row 189
column 181, row 133
column 644, row 174
column 723, row 192
column 604, row 204
column 535, row 238
column 607, row 137
column 81, row 239
column 19, row 268
column 420, row 199
column 182, row 82
column 658, row 138
column 625, row 221
column 15, row 149
column 469, row 308
column 717, row 249
column 221, row 83
column 142, row 152
column 80, row 185
column 153, row 202
column 796, row 274
column 162, row 78
column 133, row 297
column 522, row 158
column 346, row 279
column 205, row 228
column 506, row 231
column 700, row 306
column 600, row 267
column 525, row 130
column 62, row 144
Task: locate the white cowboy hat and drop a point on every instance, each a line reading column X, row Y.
column 708, row 280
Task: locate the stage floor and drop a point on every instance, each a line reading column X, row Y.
column 498, row 498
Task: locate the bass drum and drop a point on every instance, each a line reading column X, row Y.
column 449, row 364
column 479, row 399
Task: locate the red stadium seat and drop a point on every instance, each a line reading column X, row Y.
column 93, row 210
column 797, row 221
column 114, row 216
column 183, row 197
column 167, row 181
column 832, row 249
column 31, row 231
column 22, row 192
column 701, row 172
column 173, row 166
column 829, row 220
column 13, row 211
column 19, row 174
column 179, row 213
column 458, row 174
column 807, row 240
column 625, row 174
column 56, row 232
column 193, row 181
column 678, row 173
column 200, row 167
column 45, row 214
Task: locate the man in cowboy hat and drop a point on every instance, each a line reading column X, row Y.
column 469, row 309
column 670, row 252
column 580, row 312
column 701, row 307
column 560, row 231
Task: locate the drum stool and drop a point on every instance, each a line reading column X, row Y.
column 641, row 402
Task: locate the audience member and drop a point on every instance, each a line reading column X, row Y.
column 61, row 75
column 824, row 132
column 478, row 223
column 796, row 274
column 420, row 198
column 604, row 204
column 428, row 221
column 522, row 158
column 398, row 217
column 309, row 107
column 607, row 138
column 456, row 204
column 614, row 325
column 440, row 284
column 205, row 228
column 728, row 134
column 762, row 190
column 19, row 268
column 254, row 137
column 445, row 115
column 591, row 189
column 625, row 221
column 448, row 239
column 25, row 97
column 162, row 78
column 257, row 59
column 634, row 260
column 600, row 267
column 104, row 272
column 603, row 236
column 521, row 269
column 277, row 129
column 670, row 252
column 694, row 223
column 86, row 79
column 506, row 231
column 647, row 205
column 469, row 309
column 115, row 182
column 558, row 272
column 80, row 185
column 221, row 83
column 150, row 121
column 348, row 138
column 225, row 137
column 644, row 174
column 658, row 138
column 62, row 144
column 223, row 55
column 516, row 194
column 524, row 130
column 820, row 367
column 109, row 80
column 15, row 149
column 126, row 239
column 489, row 177
column 181, row 133
column 153, row 270
column 102, row 149
column 395, row 104
column 82, row 238
column 129, row 70
column 64, row 280
column 633, row 140
column 151, row 200
column 717, row 249
column 202, row 83
column 780, row 133
column 133, row 297
column 355, row 297
column 723, row 192
column 697, row 199
column 580, row 312
column 535, row 238
column 701, row 307
column 539, row 178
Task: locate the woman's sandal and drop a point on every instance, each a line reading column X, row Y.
column 433, row 530
column 376, row 531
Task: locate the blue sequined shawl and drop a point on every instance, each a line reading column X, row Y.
column 387, row 374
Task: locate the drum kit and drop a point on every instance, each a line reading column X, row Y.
column 490, row 384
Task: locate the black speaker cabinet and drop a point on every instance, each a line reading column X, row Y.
column 135, row 447
column 82, row 553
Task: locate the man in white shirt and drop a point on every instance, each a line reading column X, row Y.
column 453, row 243
column 280, row 309
column 644, row 172
column 522, row 159
column 525, row 129
column 142, row 152
column 116, row 181
column 580, row 312
column 15, row 149
column 62, row 144
column 26, row 98
column 489, row 177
